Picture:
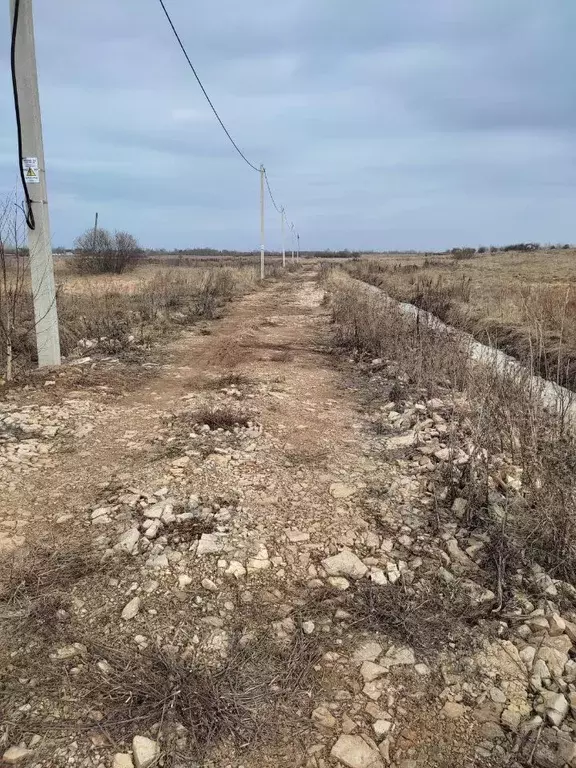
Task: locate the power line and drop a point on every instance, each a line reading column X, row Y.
column 279, row 210
column 28, row 213
column 184, row 51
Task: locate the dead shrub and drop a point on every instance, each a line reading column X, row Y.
column 225, row 418
column 227, row 380
column 239, row 701
column 425, row 618
column 35, row 583
column 284, row 356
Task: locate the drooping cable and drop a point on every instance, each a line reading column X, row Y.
column 29, row 213
column 204, row 91
column 279, row 210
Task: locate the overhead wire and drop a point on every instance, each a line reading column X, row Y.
column 260, row 169
column 28, row 213
column 204, row 91
column 279, row 210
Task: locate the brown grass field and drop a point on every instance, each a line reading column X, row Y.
column 524, row 303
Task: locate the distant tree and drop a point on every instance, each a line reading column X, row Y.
column 99, row 252
column 482, row 249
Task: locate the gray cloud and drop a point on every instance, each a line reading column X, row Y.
column 382, row 125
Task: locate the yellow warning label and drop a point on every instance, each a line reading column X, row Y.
column 30, row 168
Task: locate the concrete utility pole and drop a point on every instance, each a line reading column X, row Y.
column 262, row 175
column 297, row 246
column 95, row 231
column 34, row 171
column 283, row 238
column 292, row 231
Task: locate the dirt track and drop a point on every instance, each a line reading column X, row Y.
column 308, row 477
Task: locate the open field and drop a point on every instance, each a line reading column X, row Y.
column 117, row 314
column 524, row 303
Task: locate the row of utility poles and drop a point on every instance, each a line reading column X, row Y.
column 283, row 221
column 33, row 175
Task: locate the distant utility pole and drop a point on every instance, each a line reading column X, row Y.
column 27, row 103
column 95, row 231
column 282, row 214
column 297, row 246
column 262, row 177
column 292, row 231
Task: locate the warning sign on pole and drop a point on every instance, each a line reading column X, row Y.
column 30, row 167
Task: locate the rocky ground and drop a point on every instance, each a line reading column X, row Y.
column 249, row 554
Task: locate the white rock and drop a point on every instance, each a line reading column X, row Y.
column 324, row 717
column 122, row 760
column 345, row 563
column 453, row 710
column 15, row 755
column 338, row 582
column 168, row 515
column 422, row 669
column 235, row 569
column 295, row 537
column 401, row 441
column 128, row 541
column 69, row 651
column 210, row 544
column 397, row 656
column 146, row 752
column 308, row 627
column 153, row 528
column 100, row 512
column 382, row 728
column 367, row 652
column 257, row 564
column 184, row 580
column 555, row 706
column 378, row 576
column 557, row 625
column 131, row 609
column 209, row 585
column 155, row 511
column 342, row 490
column 353, row 752
column 371, row 671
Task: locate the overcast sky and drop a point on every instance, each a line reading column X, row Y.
column 382, row 123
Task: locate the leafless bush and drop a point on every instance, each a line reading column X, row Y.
column 98, row 251
column 425, row 618
column 35, row 582
column 218, row 418
column 236, row 702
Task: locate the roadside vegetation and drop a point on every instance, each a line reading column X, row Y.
column 521, row 302
column 109, row 300
column 511, row 460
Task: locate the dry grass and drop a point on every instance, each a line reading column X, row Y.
column 128, row 313
column 504, row 428
column 524, row 303
column 367, row 324
column 224, row 417
column 237, row 702
column 426, row 619
column 35, row 583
